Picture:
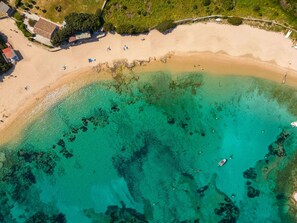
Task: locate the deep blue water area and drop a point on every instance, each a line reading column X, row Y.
column 147, row 150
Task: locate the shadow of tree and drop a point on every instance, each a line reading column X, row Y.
column 6, row 74
column 3, row 38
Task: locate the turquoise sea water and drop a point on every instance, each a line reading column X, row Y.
column 148, row 151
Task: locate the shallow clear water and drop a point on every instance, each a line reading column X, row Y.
column 149, row 151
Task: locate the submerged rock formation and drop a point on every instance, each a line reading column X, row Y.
column 277, row 148
column 41, row 217
column 116, row 214
column 252, row 192
column 228, row 211
column 202, row 190
column 250, row 174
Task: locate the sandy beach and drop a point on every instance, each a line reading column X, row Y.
column 211, row 47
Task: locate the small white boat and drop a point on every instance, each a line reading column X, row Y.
column 294, row 124
column 222, row 162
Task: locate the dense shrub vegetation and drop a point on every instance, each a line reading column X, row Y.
column 20, row 24
column 144, row 15
column 75, row 23
column 206, row 2
column 2, row 43
column 130, row 29
column 152, row 12
column 133, row 17
column 228, row 5
column 22, row 27
column 289, row 6
column 236, row 21
column 18, row 3
column 108, row 27
column 166, row 25
column 32, row 22
column 4, row 67
column 18, row 16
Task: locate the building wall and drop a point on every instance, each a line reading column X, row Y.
column 43, row 40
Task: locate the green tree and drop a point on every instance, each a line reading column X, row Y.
column 32, row 22
column 2, row 41
column 126, row 29
column 22, row 27
column 75, row 23
column 131, row 29
column 56, row 40
column 236, row 21
column 4, row 66
column 17, row 16
column 166, row 25
column 18, row 3
column 228, row 5
column 78, row 22
column 206, row 2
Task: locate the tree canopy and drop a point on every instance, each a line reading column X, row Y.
column 82, row 22
column 166, row 25
column 75, row 23
column 4, row 66
column 236, row 21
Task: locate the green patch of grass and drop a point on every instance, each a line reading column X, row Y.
column 20, row 24
column 152, row 12
column 57, row 10
column 146, row 14
column 22, row 27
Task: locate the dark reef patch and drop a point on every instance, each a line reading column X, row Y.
column 128, row 165
column 188, row 175
column 46, row 161
column 41, row 217
column 202, row 190
column 18, row 177
column 250, row 174
column 116, row 214
column 227, row 211
column 252, row 192
column 115, row 108
column 170, row 120
column 278, row 147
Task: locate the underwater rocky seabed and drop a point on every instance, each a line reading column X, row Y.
column 146, row 149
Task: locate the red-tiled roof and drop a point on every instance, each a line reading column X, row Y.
column 8, row 53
